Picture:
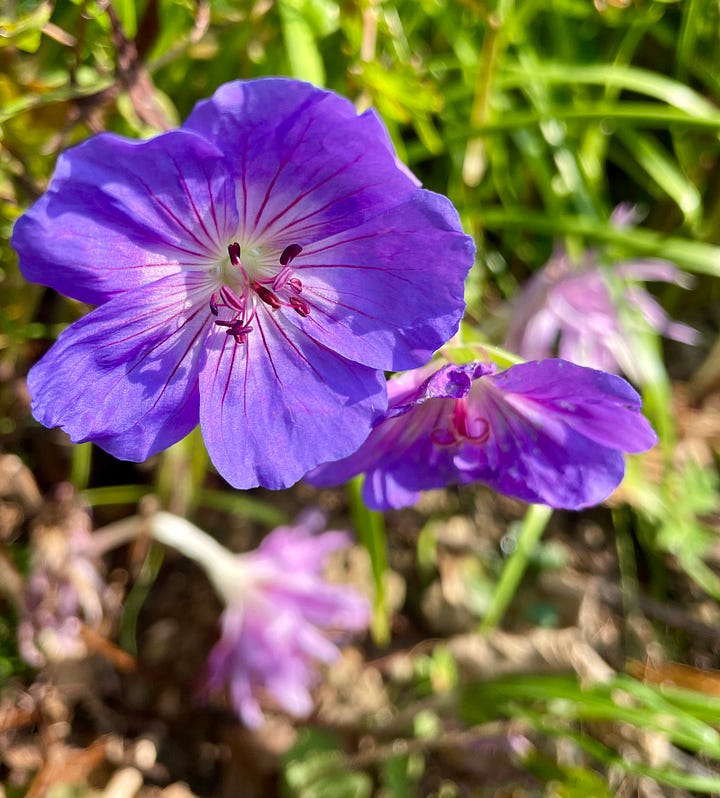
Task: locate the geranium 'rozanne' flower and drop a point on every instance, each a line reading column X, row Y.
column 547, row 431
column 255, row 271
column 281, row 617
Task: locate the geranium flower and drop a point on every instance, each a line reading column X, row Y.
column 588, row 313
column 255, row 271
column 282, row 615
column 548, row 431
column 280, row 621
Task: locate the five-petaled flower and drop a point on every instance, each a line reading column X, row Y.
column 546, row 431
column 255, row 271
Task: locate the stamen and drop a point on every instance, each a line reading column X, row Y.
column 474, row 427
column 295, row 284
column 234, row 253
column 289, row 253
column 282, row 278
column 266, row 295
column 214, row 305
column 231, row 299
column 238, row 329
column 299, row 306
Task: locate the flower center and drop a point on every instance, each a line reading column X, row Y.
column 247, row 273
column 464, row 425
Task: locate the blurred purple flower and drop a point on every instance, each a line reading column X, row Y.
column 256, row 271
column 588, row 313
column 64, row 588
column 547, row 431
column 280, row 619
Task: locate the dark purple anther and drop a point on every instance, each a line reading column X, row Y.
column 289, row 253
column 238, row 328
column 295, row 285
column 214, row 305
column 234, row 253
column 299, row 306
column 266, row 295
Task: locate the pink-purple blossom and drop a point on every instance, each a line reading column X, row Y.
column 547, row 431
column 589, row 313
column 282, row 620
column 255, row 271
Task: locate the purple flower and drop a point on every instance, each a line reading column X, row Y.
column 279, row 620
column 589, row 314
column 255, row 272
column 547, row 431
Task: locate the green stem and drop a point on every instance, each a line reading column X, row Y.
column 533, row 526
column 370, row 528
column 492, row 47
column 80, row 465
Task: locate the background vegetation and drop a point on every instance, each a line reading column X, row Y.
column 514, row 651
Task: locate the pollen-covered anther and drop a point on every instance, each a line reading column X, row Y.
column 237, row 329
column 289, row 253
column 299, row 306
column 285, row 275
column 267, row 296
column 234, row 253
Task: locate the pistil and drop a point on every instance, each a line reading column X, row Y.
column 268, row 290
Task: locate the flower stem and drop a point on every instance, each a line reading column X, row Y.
column 222, row 567
column 370, row 528
column 533, row 526
column 493, row 43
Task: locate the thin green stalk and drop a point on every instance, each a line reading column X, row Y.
column 693, row 14
column 370, row 528
column 115, row 494
column 492, row 48
column 80, row 465
column 639, row 114
column 533, row 525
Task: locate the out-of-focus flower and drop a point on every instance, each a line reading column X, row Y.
column 547, row 431
column 281, row 617
column 256, row 271
column 588, row 313
column 64, row 588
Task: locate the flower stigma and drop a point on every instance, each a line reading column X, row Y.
column 464, row 424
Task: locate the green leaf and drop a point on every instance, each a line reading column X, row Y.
column 300, row 42
column 126, row 10
column 243, row 504
column 654, row 159
column 23, row 29
column 315, row 768
column 641, row 81
column 692, row 255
